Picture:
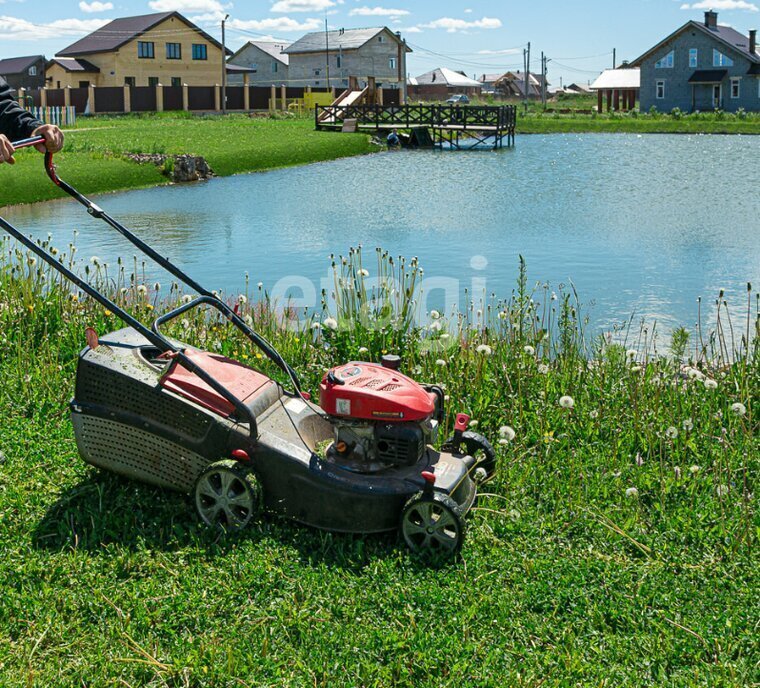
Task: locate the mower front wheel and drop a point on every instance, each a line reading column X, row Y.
column 432, row 526
column 228, row 495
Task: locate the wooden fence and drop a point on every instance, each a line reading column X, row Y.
column 60, row 116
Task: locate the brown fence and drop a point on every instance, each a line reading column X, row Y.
column 143, row 98
column 235, row 98
column 173, row 98
column 109, row 99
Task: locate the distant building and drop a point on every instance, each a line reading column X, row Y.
column 577, row 89
column 618, row 87
column 701, row 66
column 329, row 58
column 512, row 84
column 147, row 50
column 24, row 72
column 441, row 83
column 265, row 59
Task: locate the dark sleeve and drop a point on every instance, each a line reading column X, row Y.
column 15, row 122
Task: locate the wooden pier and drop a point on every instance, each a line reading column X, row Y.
column 459, row 127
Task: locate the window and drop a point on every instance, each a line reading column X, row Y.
column 200, row 51
column 274, row 67
column 130, row 81
column 391, row 63
column 660, row 85
column 693, row 57
column 736, row 87
column 316, row 72
column 33, row 70
column 721, row 60
column 152, row 81
column 145, row 50
column 381, row 39
column 173, row 51
column 665, row 62
column 176, row 81
column 84, row 84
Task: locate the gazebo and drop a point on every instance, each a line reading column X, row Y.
column 618, row 85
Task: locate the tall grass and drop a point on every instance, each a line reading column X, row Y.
column 617, row 540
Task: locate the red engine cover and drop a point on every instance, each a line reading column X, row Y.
column 372, row 392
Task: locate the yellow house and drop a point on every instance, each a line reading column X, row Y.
column 151, row 49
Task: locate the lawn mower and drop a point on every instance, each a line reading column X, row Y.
column 154, row 409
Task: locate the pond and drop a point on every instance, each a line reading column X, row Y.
column 641, row 225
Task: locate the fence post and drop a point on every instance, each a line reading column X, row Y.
column 43, row 97
column 246, row 93
column 284, row 96
column 22, row 97
column 217, row 97
column 127, row 98
column 159, row 98
column 185, row 97
column 91, row 98
column 272, row 98
column 67, row 96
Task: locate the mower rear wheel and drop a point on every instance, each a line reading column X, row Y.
column 432, row 525
column 228, row 495
column 477, row 446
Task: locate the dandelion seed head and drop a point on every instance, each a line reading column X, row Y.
column 688, row 425
column 543, row 369
column 363, row 350
column 142, row 289
column 440, row 362
column 632, row 493
column 738, row 409
column 671, row 433
column 473, row 424
column 507, row 433
column 677, row 472
column 594, row 414
column 710, row 384
column 566, row 402
column 484, row 349
column 721, row 490
column 330, row 323
column 528, row 349
column 631, row 354
column 242, row 298
column 435, row 315
column 694, row 469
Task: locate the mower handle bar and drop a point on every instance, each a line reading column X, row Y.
column 165, row 263
column 25, row 143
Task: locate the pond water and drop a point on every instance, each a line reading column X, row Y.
column 640, row 224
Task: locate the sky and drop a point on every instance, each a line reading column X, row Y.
column 475, row 36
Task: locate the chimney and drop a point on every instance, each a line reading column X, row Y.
column 753, row 41
column 711, row 19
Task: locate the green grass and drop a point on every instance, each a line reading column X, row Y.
column 566, row 578
column 92, row 159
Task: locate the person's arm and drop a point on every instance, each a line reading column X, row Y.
column 16, row 123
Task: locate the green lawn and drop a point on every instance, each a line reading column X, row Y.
column 617, row 545
column 92, row 159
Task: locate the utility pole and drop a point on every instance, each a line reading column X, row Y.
column 614, row 58
column 543, row 79
column 327, row 53
column 224, row 68
column 527, row 78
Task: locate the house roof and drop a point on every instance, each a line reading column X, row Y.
column 444, row 75
column 723, row 34
column 271, row 48
column 708, row 76
column 119, row 32
column 342, row 39
column 73, row 65
column 17, row 65
column 624, row 78
column 238, row 69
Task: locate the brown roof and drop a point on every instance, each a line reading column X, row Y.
column 17, row 65
column 72, row 65
column 113, row 35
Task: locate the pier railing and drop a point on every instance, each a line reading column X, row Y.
column 478, row 117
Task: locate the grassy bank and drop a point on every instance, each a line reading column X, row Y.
column 93, row 157
column 617, row 544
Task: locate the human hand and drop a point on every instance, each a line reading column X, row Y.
column 6, row 150
column 53, row 138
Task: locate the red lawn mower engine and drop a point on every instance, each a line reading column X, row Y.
column 381, row 417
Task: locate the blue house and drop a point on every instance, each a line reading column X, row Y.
column 701, row 66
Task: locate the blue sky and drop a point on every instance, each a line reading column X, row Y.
column 476, row 36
